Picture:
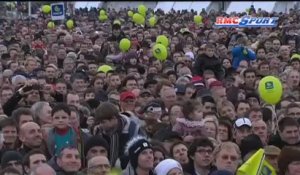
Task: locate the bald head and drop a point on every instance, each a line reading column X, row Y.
column 97, row 160
column 99, row 165
column 31, row 135
column 28, row 125
column 43, row 169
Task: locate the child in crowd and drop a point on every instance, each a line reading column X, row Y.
column 61, row 135
column 191, row 124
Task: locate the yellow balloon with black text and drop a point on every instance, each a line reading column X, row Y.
column 270, row 90
column 160, row 52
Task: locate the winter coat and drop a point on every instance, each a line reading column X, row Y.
column 203, row 62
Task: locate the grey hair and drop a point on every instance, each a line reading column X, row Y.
column 182, row 80
column 14, row 79
column 37, row 108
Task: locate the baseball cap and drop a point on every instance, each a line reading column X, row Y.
column 126, row 95
column 242, row 122
column 190, row 55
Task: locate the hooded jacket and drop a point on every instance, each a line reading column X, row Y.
column 126, row 130
column 203, row 62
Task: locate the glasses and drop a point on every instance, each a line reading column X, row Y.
column 227, row 157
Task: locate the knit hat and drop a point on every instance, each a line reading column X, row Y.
column 134, row 147
column 165, row 166
column 152, row 106
column 95, row 141
column 10, row 156
column 250, row 143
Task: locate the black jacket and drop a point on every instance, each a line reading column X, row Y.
column 203, row 62
column 276, row 141
column 117, row 38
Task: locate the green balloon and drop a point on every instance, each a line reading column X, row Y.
column 102, row 12
column 138, row 19
column 104, row 68
column 124, row 45
column 270, row 89
column 46, row 9
column 103, row 17
column 152, row 21
column 198, row 19
column 70, row 24
column 130, row 13
column 51, row 25
column 162, row 39
column 142, row 9
column 160, row 52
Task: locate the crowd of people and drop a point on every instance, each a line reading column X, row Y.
column 198, row 112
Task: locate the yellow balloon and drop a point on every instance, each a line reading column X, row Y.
column 103, row 17
column 104, row 68
column 160, row 52
column 138, row 18
column 46, row 9
column 162, row 39
column 70, row 24
column 51, row 25
column 142, row 9
column 198, row 19
column 270, row 89
column 102, row 12
column 117, row 22
column 130, row 13
column 124, row 45
column 152, row 21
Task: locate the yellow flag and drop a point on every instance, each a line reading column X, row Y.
column 267, row 169
column 253, row 165
column 256, row 165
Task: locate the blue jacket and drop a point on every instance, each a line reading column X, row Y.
column 238, row 56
